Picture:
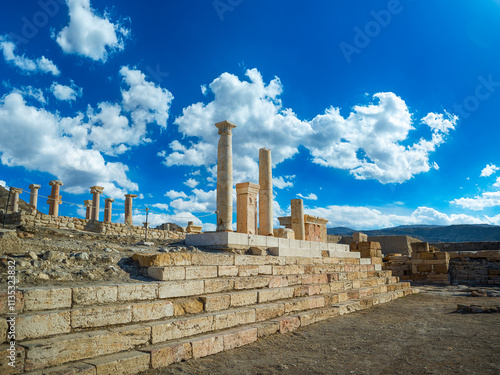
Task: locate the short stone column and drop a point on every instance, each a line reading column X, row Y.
column 54, row 198
column 246, row 207
column 225, row 177
column 96, row 195
column 265, row 193
column 34, row 197
column 128, row 208
column 145, row 225
column 298, row 224
column 14, row 203
column 88, row 206
column 108, row 207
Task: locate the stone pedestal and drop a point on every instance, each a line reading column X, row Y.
column 265, row 193
column 88, row 207
column 225, row 177
column 54, row 198
column 128, row 208
column 246, row 207
column 108, row 206
column 315, row 227
column 96, row 194
column 298, row 224
column 34, row 197
column 14, row 198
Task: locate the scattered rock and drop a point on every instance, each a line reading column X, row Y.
column 23, row 264
column 476, row 309
column 32, row 255
column 257, row 251
column 82, row 256
column 43, row 276
column 478, row 293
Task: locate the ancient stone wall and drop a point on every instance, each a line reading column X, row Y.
column 475, row 268
column 65, row 222
column 467, row 246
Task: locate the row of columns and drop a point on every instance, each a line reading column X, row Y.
column 55, row 199
column 246, row 192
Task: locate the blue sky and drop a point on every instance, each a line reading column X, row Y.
column 377, row 113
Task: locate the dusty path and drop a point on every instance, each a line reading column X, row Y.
column 420, row 334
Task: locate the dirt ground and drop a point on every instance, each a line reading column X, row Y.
column 419, row 334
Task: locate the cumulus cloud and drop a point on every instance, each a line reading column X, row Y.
column 161, row 206
column 311, row 196
column 66, row 93
column 489, row 170
column 172, row 194
column 282, row 182
column 89, row 34
column 479, row 202
column 373, row 142
column 192, row 183
column 3, row 183
column 40, row 65
column 199, row 201
column 51, row 149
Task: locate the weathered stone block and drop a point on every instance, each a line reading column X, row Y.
column 267, row 329
column 243, row 298
column 360, row 237
column 179, row 328
column 269, row 311
column 78, row 368
column 228, row 271
column 101, row 316
column 267, row 295
column 212, row 259
column 216, row 302
column 164, row 355
column 167, row 273
column 185, row 306
column 18, row 302
column 239, row 337
column 219, row 285
column 424, row 268
column 123, row 363
column 18, row 353
column 207, row 345
column 289, row 324
column 251, row 282
column 266, row 270
column 248, row 271
column 137, row 292
column 95, row 295
column 181, row 288
column 234, row 318
column 47, row 299
column 201, row 272
column 152, row 311
column 32, row 326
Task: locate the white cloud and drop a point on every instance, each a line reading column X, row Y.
column 54, row 150
column 66, row 93
column 311, row 196
column 30, row 91
column 161, row 206
column 489, row 170
column 282, row 182
column 3, row 183
column 172, row 194
column 192, row 183
column 479, row 202
column 368, row 143
column 40, row 65
column 199, row 201
column 88, row 34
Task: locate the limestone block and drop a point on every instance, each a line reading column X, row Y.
column 47, row 298
column 238, row 337
column 267, row 295
column 164, row 355
column 234, row 318
column 163, row 260
column 32, row 326
column 4, row 302
column 360, row 237
column 179, row 328
column 216, row 302
column 5, row 352
column 207, row 345
column 368, row 245
column 219, row 285
column 181, row 288
column 152, row 310
column 95, row 295
column 137, row 292
column 294, row 279
column 267, row 329
column 167, row 273
column 418, row 247
column 122, row 363
column 251, row 260
column 243, row 298
column 251, row 282
column 288, row 270
column 265, row 270
column 248, row 271
column 212, row 259
column 284, row 233
column 227, row 271
column 101, row 316
column 3, row 330
column 288, row 324
column 201, row 272
column 184, row 306
column 78, row 368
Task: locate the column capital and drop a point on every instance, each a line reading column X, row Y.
column 225, row 127
column 109, row 200
column 96, row 189
column 56, row 182
column 88, row 202
column 35, row 186
column 131, row 195
column 247, row 188
column 16, row 190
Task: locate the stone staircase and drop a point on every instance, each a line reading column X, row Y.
column 201, row 304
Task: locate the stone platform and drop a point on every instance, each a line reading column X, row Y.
column 276, row 246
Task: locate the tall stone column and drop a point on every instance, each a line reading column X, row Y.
column 96, row 195
column 225, row 177
column 128, row 208
column 108, row 206
column 298, row 224
column 54, row 198
column 34, row 197
column 246, row 207
column 14, row 203
column 88, row 206
column 265, row 193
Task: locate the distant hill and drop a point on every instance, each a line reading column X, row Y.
column 432, row 233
